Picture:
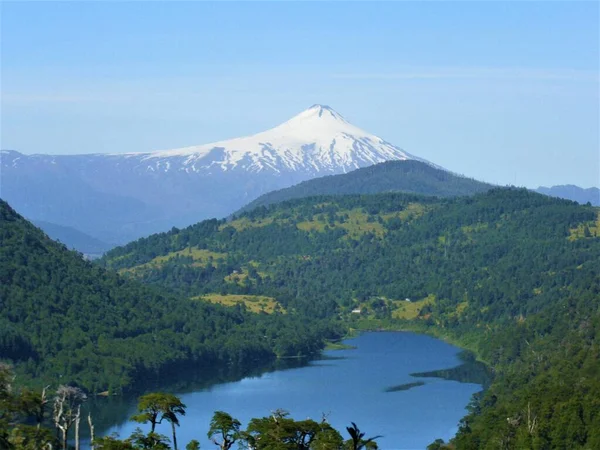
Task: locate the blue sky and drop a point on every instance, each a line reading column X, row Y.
column 506, row 92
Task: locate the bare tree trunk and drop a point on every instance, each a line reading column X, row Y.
column 77, row 421
column 64, row 437
column 58, row 415
column 91, row 431
column 531, row 421
column 67, row 398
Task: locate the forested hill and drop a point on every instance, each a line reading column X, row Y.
column 63, row 319
column 391, row 176
column 494, row 253
column 508, row 273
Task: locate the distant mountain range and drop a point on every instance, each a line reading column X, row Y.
column 119, row 197
column 392, row 176
column 74, row 239
column 571, row 192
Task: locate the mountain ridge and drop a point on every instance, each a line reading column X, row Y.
column 308, row 141
column 572, row 192
column 73, row 238
column 117, row 197
column 391, row 176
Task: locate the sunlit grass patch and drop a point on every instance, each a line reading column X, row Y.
column 411, row 211
column 586, row 230
column 411, row 310
column 309, row 226
column 244, row 223
column 253, row 303
column 460, row 308
column 355, row 221
column 199, row 257
column 359, row 223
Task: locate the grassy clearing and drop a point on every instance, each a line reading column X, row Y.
column 358, row 224
column 241, row 277
column 410, row 310
column 200, row 258
column 313, row 225
column 244, row 223
column 238, row 278
column 254, row 303
column 412, row 211
column 586, row 230
column 460, row 308
column 355, row 222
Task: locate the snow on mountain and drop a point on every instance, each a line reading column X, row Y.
column 317, row 140
column 121, row 196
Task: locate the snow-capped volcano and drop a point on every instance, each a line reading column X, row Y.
column 120, row 196
column 317, row 140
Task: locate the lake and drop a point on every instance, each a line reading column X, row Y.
column 369, row 385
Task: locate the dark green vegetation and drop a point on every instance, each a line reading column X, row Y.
column 391, row 176
column 510, row 274
column 23, row 414
column 64, row 318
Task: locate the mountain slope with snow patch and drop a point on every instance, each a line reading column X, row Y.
column 121, row 196
column 316, row 141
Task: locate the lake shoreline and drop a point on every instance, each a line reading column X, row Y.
column 468, row 353
column 378, row 362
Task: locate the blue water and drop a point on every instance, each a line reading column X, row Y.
column 347, row 386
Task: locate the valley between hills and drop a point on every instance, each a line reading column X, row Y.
column 386, row 241
column 508, row 274
column 199, row 250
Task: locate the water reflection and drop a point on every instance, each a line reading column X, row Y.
column 348, row 385
column 470, row 371
column 108, row 412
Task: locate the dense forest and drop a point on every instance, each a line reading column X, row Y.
column 510, row 274
column 64, row 318
column 391, row 176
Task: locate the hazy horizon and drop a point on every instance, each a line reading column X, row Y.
column 503, row 92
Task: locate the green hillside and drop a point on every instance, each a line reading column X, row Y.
column 66, row 319
column 391, row 176
column 510, row 274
